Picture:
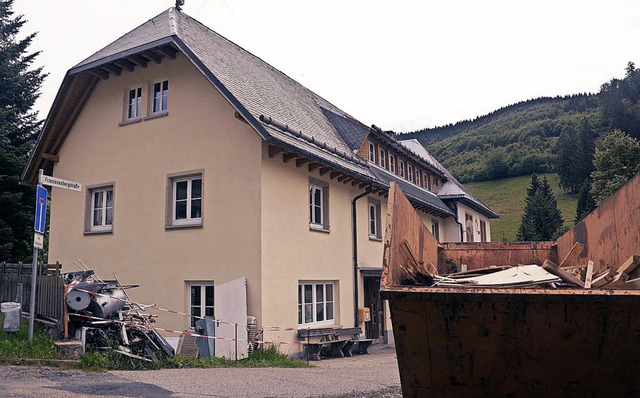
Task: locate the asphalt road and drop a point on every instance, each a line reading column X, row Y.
column 374, row 375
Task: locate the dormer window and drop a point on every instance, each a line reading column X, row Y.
column 418, row 178
column 383, row 158
column 392, row 164
column 372, row 152
column 134, row 103
column 425, row 180
column 402, row 168
column 160, row 97
column 411, row 173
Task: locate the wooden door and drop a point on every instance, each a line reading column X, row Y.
column 372, row 300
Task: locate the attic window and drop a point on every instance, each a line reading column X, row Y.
column 383, row 158
column 372, row 152
column 392, row 164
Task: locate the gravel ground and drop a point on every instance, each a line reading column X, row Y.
column 374, row 375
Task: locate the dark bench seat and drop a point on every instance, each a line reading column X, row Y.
column 340, row 341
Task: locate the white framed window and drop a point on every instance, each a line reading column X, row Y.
column 134, row 103
column 201, row 302
column 392, row 164
column 100, row 209
column 315, row 304
column 375, row 227
column 383, row 158
column 402, row 168
column 160, row 97
column 418, row 178
column 318, row 204
column 372, row 152
column 425, row 178
column 410, row 173
column 434, row 184
column 185, row 200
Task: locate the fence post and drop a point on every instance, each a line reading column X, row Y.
column 235, row 325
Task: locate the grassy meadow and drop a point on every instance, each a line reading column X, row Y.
column 506, row 197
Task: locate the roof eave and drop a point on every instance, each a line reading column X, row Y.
column 481, row 209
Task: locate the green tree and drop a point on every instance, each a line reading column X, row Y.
column 585, row 204
column 541, row 219
column 616, row 161
column 621, row 102
column 19, row 89
column 574, row 150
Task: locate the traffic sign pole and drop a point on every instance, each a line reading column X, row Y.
column 34, row 273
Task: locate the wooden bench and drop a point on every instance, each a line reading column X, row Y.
column 340, row 341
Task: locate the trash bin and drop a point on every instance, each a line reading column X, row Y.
column 11, row 316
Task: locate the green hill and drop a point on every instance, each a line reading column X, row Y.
column 520, row 139
column 512, row 141
column 506, row 197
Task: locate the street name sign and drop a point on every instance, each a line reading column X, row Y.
column 60, row 183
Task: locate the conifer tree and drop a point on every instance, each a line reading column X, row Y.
column 541, row 219
column 19, row 89
column 574, row 150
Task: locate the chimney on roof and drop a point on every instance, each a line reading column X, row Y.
column 178, row 4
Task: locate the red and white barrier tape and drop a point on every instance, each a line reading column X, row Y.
column 178, row 331
column 267, row 328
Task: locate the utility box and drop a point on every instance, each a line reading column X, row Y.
column 364, row 314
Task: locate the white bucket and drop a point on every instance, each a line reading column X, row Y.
column 11, row 316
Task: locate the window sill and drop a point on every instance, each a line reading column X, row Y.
column 130, row 121
column 183, row 226
column 375, row 238
column 317, row 228
column 105, row 232
column 156, row 115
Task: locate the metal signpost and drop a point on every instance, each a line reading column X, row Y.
column 39, row 230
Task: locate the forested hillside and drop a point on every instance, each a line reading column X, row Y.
column 521, row 139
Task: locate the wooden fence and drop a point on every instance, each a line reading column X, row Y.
column 15, row 285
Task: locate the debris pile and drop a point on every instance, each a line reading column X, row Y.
column 569, row 274
column 103, row 316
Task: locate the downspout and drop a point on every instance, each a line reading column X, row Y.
column 455, row 207
column 355, row 252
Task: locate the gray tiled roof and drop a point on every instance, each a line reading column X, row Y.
column 451, row 189
column 352, row 133
column 257, row 89
column 411, row 190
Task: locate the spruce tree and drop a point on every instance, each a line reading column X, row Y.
column 19, row 89
column 541, row 219
column 574, row 151
column 585, row 204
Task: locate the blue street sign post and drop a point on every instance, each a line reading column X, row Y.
column 41, row 209
column 38, row 226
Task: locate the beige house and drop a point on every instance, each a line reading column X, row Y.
column 202, row 164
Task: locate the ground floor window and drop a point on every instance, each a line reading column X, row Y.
column 200, row 300
column 315, row 303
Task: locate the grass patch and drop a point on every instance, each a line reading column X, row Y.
column 506, row 197
column 15, row 347
column 265, row 358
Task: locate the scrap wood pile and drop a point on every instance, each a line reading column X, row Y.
column 569, row 274
column 106, row 319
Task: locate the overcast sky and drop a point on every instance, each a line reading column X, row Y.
column 402, row 65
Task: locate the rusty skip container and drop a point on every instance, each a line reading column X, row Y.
column 503, row 342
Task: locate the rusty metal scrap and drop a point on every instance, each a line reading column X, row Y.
column 107, row 319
